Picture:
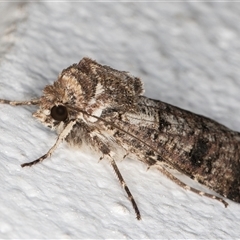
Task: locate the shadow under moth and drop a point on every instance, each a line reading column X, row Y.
column 105, row 109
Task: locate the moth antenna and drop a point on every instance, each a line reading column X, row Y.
column 19, row 103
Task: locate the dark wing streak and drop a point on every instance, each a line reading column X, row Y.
column 222, row 127
column 168, row 133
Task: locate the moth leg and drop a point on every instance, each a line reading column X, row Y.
column 185, row 186
column 125, row 187
column 18, row 103
column 106, row 152
column 60, row 138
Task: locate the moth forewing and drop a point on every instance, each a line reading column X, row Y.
column 105, row 109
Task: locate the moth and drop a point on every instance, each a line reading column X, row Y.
column 105, row 109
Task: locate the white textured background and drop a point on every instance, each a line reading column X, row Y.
column 187, row 54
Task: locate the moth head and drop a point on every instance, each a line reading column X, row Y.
column 84, row 91
column 55, row 109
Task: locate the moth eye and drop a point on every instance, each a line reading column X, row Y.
column 59, row 113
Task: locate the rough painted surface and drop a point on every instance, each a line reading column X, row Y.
column 186, row 54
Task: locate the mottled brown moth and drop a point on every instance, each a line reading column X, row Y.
column 105, row 109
